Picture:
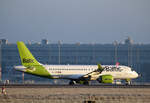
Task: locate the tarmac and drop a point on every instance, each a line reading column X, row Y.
column 75, row 95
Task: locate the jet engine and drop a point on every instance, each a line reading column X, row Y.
column 105, row 79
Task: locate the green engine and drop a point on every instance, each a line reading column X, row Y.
column 106, row 79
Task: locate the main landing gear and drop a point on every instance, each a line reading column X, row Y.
column 73, row 82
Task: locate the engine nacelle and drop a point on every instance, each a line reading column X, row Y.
column 105, row 79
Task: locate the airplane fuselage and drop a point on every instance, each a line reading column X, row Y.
column 77, row 71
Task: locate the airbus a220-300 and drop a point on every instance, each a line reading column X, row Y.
column 80, row 74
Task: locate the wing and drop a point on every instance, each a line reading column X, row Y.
column 94, row 74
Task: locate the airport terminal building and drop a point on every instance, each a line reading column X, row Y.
column 136, row 56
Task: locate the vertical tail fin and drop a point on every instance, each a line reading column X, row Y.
column 31, row 64
column 26, row 57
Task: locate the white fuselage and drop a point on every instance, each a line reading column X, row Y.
column 77, row 71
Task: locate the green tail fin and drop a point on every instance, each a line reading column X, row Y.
column 26, row 57
column 31, row 64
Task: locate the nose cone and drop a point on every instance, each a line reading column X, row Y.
column 135, row 74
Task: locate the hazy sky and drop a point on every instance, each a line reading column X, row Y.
column 86, row 21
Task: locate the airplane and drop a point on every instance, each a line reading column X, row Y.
column 81, row 74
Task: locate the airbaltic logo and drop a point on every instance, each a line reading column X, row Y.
column 112, row 69
column 31, row 69
column 28, row 60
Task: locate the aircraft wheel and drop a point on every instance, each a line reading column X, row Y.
column 72, row 82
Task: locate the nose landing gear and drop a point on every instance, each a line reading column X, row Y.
column 73, row 82
column 128, row 81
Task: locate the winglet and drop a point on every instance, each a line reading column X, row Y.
column 100, row 69
column 99, row 66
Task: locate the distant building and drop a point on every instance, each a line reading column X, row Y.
column 128, row 41
column 44, row 41
column 136, row 56
column 3, row 41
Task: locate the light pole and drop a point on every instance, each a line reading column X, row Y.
column 138, row 61
column 131, row 47
column 128, row 55
column 93, row 53
column 59, row 44
column 22, row 77
column 0, row 63
column 49, row 53
column 77, row 52
column 116, row 51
